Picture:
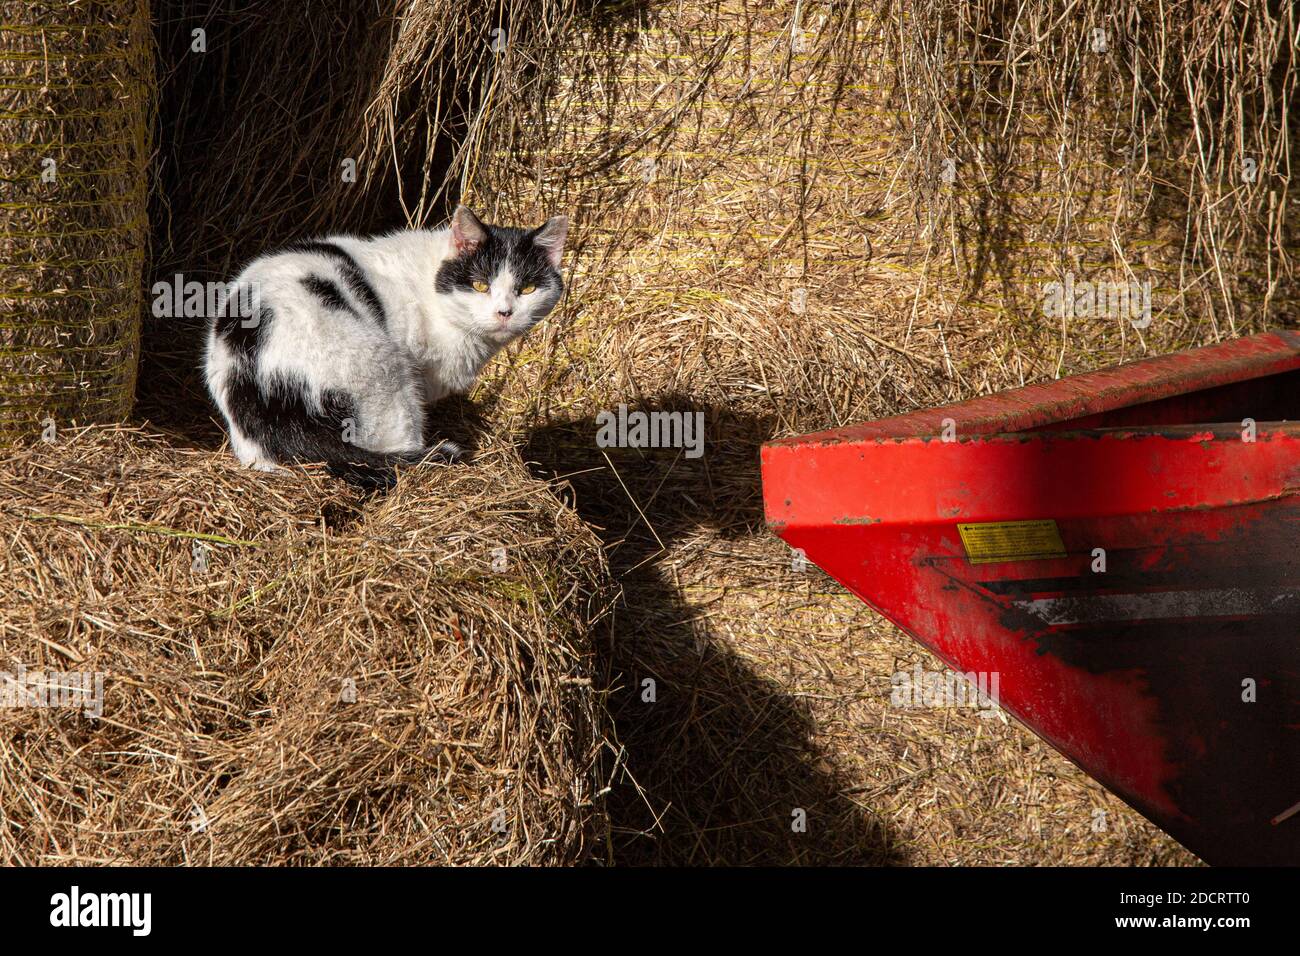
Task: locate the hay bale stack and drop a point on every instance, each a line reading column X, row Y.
column 1123, row 143
column 761, row 237
column 742, row 179
column 76, row 86
column 761, row 209
column 294, row 675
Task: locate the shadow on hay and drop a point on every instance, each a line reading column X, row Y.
column 713, row 769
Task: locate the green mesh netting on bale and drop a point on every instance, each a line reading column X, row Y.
column 76, row 89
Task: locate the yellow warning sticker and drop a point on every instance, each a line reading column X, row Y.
column 992, row 541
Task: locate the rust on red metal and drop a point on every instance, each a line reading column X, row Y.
column 1120, row 548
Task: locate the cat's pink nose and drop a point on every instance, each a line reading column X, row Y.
column 505, row 313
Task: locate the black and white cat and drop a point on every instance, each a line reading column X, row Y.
column 339, row 343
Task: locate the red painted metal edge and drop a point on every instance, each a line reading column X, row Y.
column 1089, row 394
column 1172, row 675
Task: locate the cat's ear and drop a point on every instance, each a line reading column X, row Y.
column 550, row 237
column 467, row 231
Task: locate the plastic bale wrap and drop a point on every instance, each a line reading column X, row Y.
column 76, row 87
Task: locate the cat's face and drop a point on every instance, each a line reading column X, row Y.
column 499, row 282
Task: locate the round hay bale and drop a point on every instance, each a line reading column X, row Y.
column 76, row 88
column 293, row 674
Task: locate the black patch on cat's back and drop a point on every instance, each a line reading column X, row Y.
column 243, row 334
column 503, row 245
column 353, row 275
column 327, row 293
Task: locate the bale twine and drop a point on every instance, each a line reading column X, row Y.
column 76, row 86
column 293, row 674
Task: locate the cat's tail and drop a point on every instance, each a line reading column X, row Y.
column 377, row 471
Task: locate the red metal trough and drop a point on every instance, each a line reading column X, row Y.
column 1122, row 548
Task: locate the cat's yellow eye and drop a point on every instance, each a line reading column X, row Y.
column 527, row 289
column 480, row 286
